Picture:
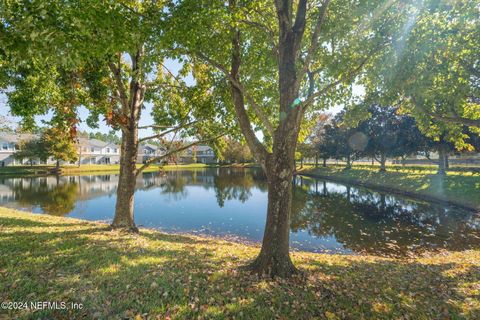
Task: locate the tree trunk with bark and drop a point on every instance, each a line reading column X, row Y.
column 441, row 160
column 324, row 164
column 124, row 215
column 274, row 258
column 349, row 162
column 128, row 119
column 278, row 165
column 383, row 162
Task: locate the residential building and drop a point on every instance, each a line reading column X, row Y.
column 199, row 154
column 90, row 151
column 93, row 151
column 148, row 151
column 9, row 144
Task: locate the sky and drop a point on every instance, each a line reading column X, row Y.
column 145, row 119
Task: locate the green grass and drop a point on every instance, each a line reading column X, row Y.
column 84, row 169
column 160, row 276
column 457, row 187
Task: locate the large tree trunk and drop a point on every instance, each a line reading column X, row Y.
column 131, row 107
column 124, row 217
column 324, row 164
column 274, row 259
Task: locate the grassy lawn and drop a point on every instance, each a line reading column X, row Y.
column 105, row 168
column 87, row 168
column 458, row 187
column 160, row 276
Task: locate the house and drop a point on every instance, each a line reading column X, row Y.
column 148, row 151
column 90, row 151
column 9, row 144
column 94, row 151
column 199, row 154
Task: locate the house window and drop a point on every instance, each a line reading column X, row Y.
column 92, row 149
column 108, row 150
column 85, row 149
column 115, row 150
column 5, row 146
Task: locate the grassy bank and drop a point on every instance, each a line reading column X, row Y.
column 104, row 168
column 84, row 169
column 462, row 188
column 161, row 276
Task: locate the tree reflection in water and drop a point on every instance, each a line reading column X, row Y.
column 227, row 183
column 56, row 199
column 375, row 223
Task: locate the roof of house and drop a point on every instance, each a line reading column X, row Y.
column 95, row 143
column 16, row 137
column 148, row 145
column 202, row 148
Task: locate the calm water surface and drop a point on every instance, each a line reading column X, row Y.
column 326, row 216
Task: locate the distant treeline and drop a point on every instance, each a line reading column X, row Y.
column 385, row 134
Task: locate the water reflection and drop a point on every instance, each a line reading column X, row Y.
column 325, row 216
column 376, row 223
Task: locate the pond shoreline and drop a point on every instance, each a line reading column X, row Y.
column 389, row 189
column 98, row 169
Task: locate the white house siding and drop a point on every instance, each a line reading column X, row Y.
column 90, row 151
column 203, row 154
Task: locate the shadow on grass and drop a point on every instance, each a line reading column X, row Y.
column 117, row 275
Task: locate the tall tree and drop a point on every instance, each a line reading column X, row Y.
column 31, row 150
column 389, row 134
column 108, row 56
column 320, row 140
column 282, row 60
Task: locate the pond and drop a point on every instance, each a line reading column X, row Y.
column 326, row 216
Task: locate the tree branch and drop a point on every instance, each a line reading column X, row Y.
column 270, row 33
column 349, row 77
column 314, row 39
column 452, row 119
column 256, row 108
column 161, row 134
column 120, row 85
column 153, row 126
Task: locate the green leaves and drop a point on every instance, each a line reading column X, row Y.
column 432, row 69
